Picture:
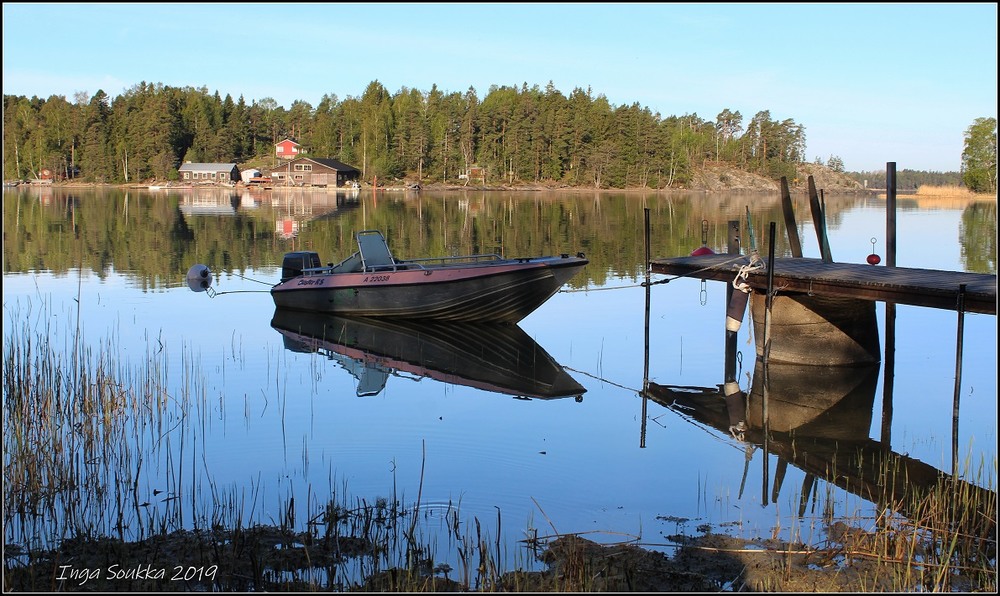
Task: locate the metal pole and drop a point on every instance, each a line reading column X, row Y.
column 958, row 380
column 890, row 214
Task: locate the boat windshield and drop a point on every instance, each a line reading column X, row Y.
column 374, row 251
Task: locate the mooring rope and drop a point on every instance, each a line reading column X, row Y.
column 755, row 264
column 267, row 283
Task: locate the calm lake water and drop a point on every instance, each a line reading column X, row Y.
column 259, row 419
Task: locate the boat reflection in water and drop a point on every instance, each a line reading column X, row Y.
column 492, row 357
column 819, row 420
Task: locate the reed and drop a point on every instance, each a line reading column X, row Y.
column 946, row 542
column 949, row 192
column 937, row 538
column 83, row 429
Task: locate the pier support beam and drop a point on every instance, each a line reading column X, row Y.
column 817, row 330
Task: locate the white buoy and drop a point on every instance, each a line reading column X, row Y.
column 199, row 278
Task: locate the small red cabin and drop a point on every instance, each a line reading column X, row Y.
column 288, row 149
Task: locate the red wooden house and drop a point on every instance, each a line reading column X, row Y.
column 288, row 149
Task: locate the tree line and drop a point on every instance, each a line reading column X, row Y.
column 516, row 135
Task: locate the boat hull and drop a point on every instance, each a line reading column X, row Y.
column 503, row 291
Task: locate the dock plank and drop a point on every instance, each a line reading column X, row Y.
column 902, row 285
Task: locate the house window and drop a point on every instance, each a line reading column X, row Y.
column 213, row 175
column 303, row 167
column 187, row 175
column 298, row 176
column 281, row 148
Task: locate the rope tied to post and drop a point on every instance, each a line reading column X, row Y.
column 755, row 264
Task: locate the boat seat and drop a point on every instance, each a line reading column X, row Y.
column 374, row 251
column 351, row 264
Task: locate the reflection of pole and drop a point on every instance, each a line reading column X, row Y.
column 645, row 367
column 779, row 478
column 888, row 374
column 767, row 350
column 958, row 379
column 747, row 454
column 736, row 305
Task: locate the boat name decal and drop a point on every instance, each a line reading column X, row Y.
column 310, row 282
column 375, row 278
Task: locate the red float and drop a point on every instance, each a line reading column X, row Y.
column 874, row 259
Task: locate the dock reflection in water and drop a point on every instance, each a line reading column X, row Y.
column 497, row 358
column 819, row 420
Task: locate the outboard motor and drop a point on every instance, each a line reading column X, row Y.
column 294, row 262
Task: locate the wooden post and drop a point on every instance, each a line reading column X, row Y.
column 786, row 208
column 819, row 222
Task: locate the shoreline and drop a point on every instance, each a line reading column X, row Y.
column 434, row 186
column 938, row 193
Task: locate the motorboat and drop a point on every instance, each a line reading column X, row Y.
column 374, row 283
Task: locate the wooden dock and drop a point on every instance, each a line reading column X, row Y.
column 901, row 285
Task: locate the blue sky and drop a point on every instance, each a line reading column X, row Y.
column 871, row 83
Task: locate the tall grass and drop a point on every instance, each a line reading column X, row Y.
column 946, row 542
